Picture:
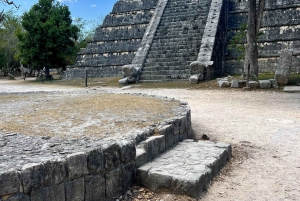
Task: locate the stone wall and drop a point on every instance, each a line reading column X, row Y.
column 88, row 169
column 281, row 30
column 116, row 41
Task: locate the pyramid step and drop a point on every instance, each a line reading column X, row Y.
column 187, row 168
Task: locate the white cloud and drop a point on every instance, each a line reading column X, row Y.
column 94, row 5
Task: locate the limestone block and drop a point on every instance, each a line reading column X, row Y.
column 128, row 175
column 9, row 182
column 33, row 177
column 194, row 79
column 51, row 193
column 129, row 70
column 128, row 152
column 264, row 84
column 123, row 81
column 114, row 183
column 235, row 84
column 75, row 190
column 18, row 197
column 224, row 84
column 141, row 135
column 253, row 84
column 141, row 157
column 95, row 161
column 283, row 68
column 55, row 172
column 154, row 146
column 196, row 68
column 274, row 83
column 91, row 184
column 76, row 165
column 183, row 125
column 168, row 132
column 153, row 181
column 111, row 156
column 242, row 83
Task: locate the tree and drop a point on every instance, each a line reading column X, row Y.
column 9, row 41
column 86, row 34
column 48, row 37
column 2, row 15
column 254, row 24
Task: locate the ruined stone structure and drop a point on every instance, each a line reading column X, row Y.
column 162, row 38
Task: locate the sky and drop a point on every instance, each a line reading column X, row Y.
column 86, row 9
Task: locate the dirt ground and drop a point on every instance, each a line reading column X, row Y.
column 262, row 126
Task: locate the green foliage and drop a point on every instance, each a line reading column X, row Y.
column 9, row 41
column 49, row 37
column 238, row 41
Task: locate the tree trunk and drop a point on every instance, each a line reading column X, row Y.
column 254, row 24
column 251, row 37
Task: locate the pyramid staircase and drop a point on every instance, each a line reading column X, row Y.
column 177, row 41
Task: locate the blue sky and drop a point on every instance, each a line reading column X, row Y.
column 86, row 9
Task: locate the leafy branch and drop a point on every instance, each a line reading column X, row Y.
column 9, row 3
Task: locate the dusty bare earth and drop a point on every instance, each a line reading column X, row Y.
column 263, row 128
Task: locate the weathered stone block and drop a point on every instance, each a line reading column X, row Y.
column 76, row 165
column 124, row 81
column 152, row 181
column 168, row 132
column 127, row 152
column 183, row 128
column 283, row 68
column 111, row 156
column 264, row 84
column 274, row 83
column 95, row 188
column 51, row 193
column 33, row 177
column 129, row 70
column 154, row 146
column 95, row 161
column 9, row 182
column 75, row 190
column 197, row 68
column 55, row 172
column 18, row 197
column 235, row 84
column 253, row 84
column 242, row 83
column 128, row 175
column 194, row 79
column 114, row 183
column 224, row 84
column 141, row 157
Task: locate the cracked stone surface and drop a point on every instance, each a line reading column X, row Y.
column 187, row 168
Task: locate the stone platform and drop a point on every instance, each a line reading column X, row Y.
column 292, row 89
column 187, row 168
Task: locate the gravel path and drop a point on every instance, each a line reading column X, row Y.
column 262, row 126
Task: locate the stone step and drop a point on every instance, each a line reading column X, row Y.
column 170, row 57
column 166, row 77
column 166, row 72
column 292, row 89
column 164, row 68
column 178, row 64
column 177, row 40
column 187, row 168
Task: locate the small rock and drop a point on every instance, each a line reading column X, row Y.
column 264, row 84
column 224, row 84
column 235, row 84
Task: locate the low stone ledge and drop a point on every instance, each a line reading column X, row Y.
column 48, row 168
